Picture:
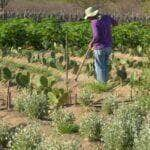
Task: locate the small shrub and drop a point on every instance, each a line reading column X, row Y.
column 109, row 105
column 27, row 138
column 144, row 103
column 91, row 127
column 85, row 98
column 142, row 142
column 65, row 122
column 120, row 133
column 113, row 136
column 33, row 105
column 4, row 134
column 57, row 145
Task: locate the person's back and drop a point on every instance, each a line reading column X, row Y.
column 102, row 34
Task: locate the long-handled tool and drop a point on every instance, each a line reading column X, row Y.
column 77, row 75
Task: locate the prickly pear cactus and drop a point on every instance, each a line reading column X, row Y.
column 22, row 80
column 40, row 82
column 7, row 74
column 44, row 81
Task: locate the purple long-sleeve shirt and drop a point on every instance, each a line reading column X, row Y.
column 102, row 34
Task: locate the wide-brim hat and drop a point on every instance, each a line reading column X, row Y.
column 90, row 12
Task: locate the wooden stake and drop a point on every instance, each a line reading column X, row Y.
column 67, row 63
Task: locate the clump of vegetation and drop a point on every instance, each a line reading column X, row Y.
column 144, row 103
column 65, row 122
column 121, row 132
column 85, row 98
column 97, row 87
column 142, row 142
column 57, row 145
column 26, row 138
column 4, row 134
column 109, row 105
column 33, row 105
column 91, row 127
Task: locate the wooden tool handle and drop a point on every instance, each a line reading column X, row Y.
column 81, row 66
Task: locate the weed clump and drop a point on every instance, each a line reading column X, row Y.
column 4, row 134
column 26, row 138
column 65, row 122
column 33, row 105
column 125, row 126
column 85, row 98
column 91, row 127
column 110, row 105
column 142, row 142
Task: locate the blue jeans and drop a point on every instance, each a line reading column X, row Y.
column 101, row 64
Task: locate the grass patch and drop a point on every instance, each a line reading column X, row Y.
column 97, row 87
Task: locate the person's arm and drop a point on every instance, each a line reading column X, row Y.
column 113, row 21
column 95, row 34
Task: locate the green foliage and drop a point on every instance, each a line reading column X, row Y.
column 32, row 104
column 65, row 122
column 13, row 33
column 131, row 35
column 85, row 98
column 68, row 128
column 144, row 102
column 22, row 79
column 58, row 96
column 121, row 132
column 110, row 105
column 60, row 145
column 50, row 32
column 91, row 127
column 27, row 138
column 142, row 141
column 4, row 134
column 7, row 74
column 97, row 87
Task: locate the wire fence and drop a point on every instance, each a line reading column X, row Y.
column 63, row 17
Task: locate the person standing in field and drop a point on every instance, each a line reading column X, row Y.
column 101, row 42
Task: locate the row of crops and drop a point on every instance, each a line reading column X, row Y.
column 125, row 127
column 51, row 34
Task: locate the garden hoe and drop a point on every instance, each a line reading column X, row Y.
column 75, row 84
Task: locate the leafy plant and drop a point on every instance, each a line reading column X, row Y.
column 7, row 74
column 33, row 105
column 4, row 134
column 65, row 122
column 109, row 105
column 27, row 138
column 144, row 102
column 68, row 128
column 142, row 141
column 121, row 132
column 22, row 79
column 57, row 145
column 85, row 98
column 97, row 87
column 91, row 127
